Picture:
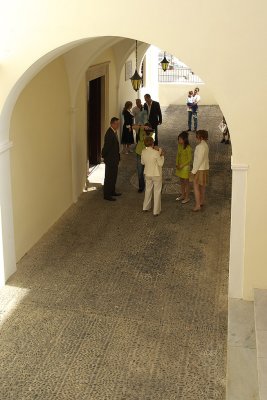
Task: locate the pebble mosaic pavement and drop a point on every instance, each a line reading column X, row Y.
column 114, row 304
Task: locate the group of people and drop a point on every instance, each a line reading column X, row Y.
column 199, row 173
column 144, row 120
column 150, row 112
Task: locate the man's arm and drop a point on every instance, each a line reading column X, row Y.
column 196, row 99
column 107, row 143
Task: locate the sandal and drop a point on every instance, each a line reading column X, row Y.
column 185, row 201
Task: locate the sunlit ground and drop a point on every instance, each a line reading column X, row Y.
column 95, row 177
column 10, row 298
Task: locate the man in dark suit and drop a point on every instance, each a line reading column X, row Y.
column 111, row 156
column 154, row 115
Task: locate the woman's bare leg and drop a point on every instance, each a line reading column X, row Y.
column 183, row 188
column 202, row 194
column 186, row 182
column 197, row 196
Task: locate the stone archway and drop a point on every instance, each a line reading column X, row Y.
column 238, row 218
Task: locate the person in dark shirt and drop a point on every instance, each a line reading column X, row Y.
column 111, row 156
column 154, row 115
column 127, row 137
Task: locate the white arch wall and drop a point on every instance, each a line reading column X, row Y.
column 49, row 134
column 40, row 156
column 228, row 51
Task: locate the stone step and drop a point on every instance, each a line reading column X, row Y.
column 242, row 376
column 260, row 305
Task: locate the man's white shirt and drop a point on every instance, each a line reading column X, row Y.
column 196, row 98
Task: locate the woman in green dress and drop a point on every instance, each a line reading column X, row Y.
column 183, row 162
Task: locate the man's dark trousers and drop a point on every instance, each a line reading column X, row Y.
column 111, row 155
column 111, row 173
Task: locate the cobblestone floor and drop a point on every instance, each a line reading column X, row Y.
column 113, row 304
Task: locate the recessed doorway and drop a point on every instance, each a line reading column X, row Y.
column 96, row 91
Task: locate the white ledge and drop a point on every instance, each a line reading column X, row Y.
column 5, row 146
column 239, row 167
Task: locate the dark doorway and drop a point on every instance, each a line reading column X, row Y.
column 94, row 114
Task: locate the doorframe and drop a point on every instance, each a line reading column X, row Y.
column 94, row 72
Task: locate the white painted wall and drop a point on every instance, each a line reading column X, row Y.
column 125, row 89
column 49, row 151
column 151, row 74
column 41, row 155
column 170, row 93
column 7, row 244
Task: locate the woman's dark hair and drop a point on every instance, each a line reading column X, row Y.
column 127, row 105
column 184, row 135
column 202, row 134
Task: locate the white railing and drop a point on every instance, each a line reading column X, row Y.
column 177, row 75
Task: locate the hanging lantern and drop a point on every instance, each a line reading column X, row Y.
column 165, row 63
column 136, row 78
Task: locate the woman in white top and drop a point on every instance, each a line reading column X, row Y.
column 196, row 100
column 200, row 171
column 153, row 161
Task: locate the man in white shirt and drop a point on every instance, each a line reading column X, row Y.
column 196, row 100
column 140, row 117
column 153, row 161
column 137, row 111
column 189, row 103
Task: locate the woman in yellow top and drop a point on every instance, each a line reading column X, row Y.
column 143, row 132
column 183, row 162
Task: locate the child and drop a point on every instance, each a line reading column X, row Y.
column 183, row 161
column 200, row 171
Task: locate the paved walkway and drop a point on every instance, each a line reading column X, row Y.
column 113, row 304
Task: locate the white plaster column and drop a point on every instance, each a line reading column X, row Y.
column 237, row 238
column 73, row 111
column 151, row 73
column 7, row 242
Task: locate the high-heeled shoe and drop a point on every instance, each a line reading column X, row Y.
column 179, row 198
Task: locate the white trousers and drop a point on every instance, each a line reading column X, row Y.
column 153, row 182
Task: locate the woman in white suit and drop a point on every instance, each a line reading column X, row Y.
column 200, row 171
column 153, row 161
